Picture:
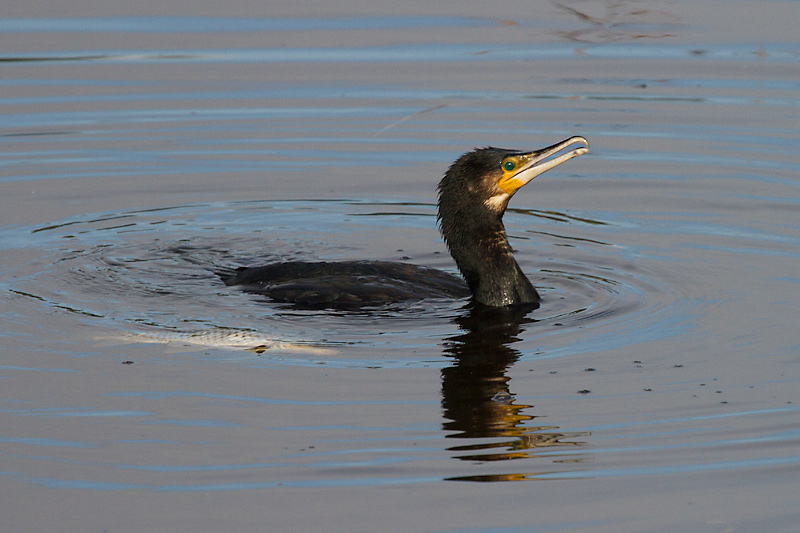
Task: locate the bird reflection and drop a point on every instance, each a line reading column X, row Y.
column 476, row 398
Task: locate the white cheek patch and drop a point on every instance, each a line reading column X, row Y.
column 498, row 202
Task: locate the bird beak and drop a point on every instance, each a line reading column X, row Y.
column 531, row 164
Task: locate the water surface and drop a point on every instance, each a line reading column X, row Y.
column 654, row 388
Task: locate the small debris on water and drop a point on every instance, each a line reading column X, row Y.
column 502, row 397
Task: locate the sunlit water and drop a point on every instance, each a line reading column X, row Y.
column 667, row 257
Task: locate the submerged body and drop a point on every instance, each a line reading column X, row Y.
column 346, row 284
column 473, row 196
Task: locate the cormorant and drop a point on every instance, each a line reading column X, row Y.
column 473, row 195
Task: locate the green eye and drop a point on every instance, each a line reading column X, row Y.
column 508, row 166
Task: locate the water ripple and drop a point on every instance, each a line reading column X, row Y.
column 162, row 260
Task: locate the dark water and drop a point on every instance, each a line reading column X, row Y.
column 655, row 388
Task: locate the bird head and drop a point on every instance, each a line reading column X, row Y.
column 489, row 177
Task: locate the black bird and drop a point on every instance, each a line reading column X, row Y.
column 473, row 195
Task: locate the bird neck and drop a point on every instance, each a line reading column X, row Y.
column 480, row 248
